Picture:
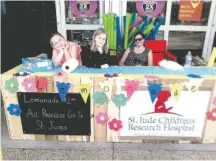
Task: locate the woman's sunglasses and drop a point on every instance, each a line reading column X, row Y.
column 139, row 39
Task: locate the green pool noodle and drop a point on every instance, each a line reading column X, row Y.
column 149, row 27
column 108, row 30
column 132, row 33
column 111, row 31
column 105, row 22
column 130, row 43
column 115, row 34
column 128, row 21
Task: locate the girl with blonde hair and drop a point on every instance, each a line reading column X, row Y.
column 98, row 55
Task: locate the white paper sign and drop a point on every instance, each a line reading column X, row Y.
column 184, row 119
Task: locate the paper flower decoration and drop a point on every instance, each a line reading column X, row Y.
column 214, row 101
column 11, row 85
column 14, row 109
column 41, row 83
column 115, row 125
column 119, row 100
column 102, row 118
column 212, row 114
column 29, row 84
column 194, row 76
column 21, row 74
column 99, row 98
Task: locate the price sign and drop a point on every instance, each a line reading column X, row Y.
column 151, row 8
column 83, row 8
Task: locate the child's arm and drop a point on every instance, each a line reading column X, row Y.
column 57, row 57
column 150, row 58
column 75, row 52
column 124, row 57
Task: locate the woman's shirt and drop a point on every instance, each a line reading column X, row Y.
column 134, row 59
column 94, row 59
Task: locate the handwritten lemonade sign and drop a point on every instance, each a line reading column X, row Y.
column 44, row 113
column 165, row 116
column 190, row 10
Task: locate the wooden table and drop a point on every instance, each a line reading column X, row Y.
column 102, row 133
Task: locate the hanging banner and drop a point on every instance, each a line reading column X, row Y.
column 84, row 90
column 151, row 8
column 130, row 87
column 106, row 87
column 190, row 10
column 83, row 8
column 63, row 89
column 176, row 90
column 154, row 90
column 193, row 84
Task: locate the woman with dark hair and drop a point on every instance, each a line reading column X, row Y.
column 138, row 55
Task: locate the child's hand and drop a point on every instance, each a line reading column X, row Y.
column 105, row 66
column 61, row 50
column 100, row 49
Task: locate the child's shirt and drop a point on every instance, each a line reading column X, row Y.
column 69, row 47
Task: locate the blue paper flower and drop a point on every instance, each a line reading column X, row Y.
column 194, row 76
column 119, row 100
column 14, row 109
column 99, row 98
column 11, row 85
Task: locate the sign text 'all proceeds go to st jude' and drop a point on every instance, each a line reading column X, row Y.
column 45, row 113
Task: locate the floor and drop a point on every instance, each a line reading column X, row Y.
column 51, row 150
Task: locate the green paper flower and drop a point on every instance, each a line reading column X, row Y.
column 99, row 98
column 11, row 85
column 119, row 100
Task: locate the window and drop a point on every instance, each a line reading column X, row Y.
column 160, row 35
column 81, row 37
column 179, row 40
column 180, row 35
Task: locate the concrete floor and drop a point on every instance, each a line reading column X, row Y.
column 52, row 150
column 72, row 154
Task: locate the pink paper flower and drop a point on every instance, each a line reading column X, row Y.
column 115, row 125
column 211, row 115
column 41, row 83
column 102, row 118
column 29, row 84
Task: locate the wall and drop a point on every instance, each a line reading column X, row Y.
column 25, row 30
